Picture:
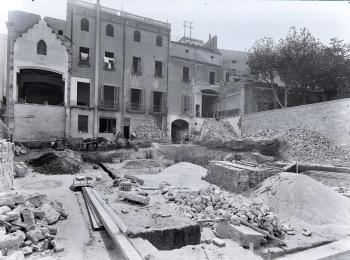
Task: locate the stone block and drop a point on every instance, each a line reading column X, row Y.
column 241, row 234
column 12, row 240
column 12, row 215
column 51, row 215
column 38, row 234
column 4, row 209
column 57, row 245
column 28, row 217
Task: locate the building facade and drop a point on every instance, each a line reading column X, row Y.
column 103, row 71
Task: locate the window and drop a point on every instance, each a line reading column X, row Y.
column 233, row 72
column 212, row 57
column 109, row 30
column 110, row 96
column 159, row 102
column 227, row 77
column 234, row 61
column 136, row 65
column 212, row 78
column 60, row 32
column 84, row 24
column 108, row 60
column 41, row 48
column 84, row 54
column 83, row 94
column 158, row 69
column 137, row 36
column 136, row 99
column 83, row 124
column 107, row 125
column 187, row 51
column 186, row 104
column 186, row 74
column 159, row 41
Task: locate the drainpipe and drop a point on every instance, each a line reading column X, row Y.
column 123, row 82
column 97, row 62
column 167, row 83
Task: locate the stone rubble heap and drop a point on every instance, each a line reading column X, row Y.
column 212, row 202
column 147, row 130
column 215, row 133
column 306, row 145
column 25, row 223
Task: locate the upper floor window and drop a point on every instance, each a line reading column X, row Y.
column 158, row 69
column 212, row 78
column 84, row 56
column 41, row 48
column 84, row 24
column 186, row 74
column 109, row 60
column 109, row 30
column 137, row 36
column 159, row 41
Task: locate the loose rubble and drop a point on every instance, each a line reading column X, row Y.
column 212, row 202
column 147, row 130
column 306, row 145
column 25, row 223
column 215, row 133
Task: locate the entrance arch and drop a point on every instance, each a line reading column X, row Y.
column 179, row 130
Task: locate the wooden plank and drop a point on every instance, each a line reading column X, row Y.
column 118, row 237
column 94, row 218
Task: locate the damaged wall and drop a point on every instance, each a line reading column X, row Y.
column 329, row 118
column 6, row 166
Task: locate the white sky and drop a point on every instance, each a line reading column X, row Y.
column 237, row 23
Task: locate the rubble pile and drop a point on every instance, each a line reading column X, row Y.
column 306, row 145
column 147, row 130
column 54, row 163
column 297, row 196
column 215, row 133
column 212, row 202
column 25, row 223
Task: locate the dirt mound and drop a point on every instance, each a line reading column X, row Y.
column 147, row 130
column 51, row 163
column 215, row 133
column 306, row 146
column 297, row 196
column 141, row 164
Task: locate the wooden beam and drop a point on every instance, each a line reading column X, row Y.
column 119, row 238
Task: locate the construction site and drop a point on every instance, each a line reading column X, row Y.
column 118, row 141
column 270, row 195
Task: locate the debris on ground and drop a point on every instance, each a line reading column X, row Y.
column 297, row 196
column 25, row 223
column 55, row 163
column 20, row 169
column 141, row 164
column 215, row 133
column 212, row 202
column 147, row 130
column 306, row 145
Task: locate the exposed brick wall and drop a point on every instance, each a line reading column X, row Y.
column 6, row 165
column 332, row 119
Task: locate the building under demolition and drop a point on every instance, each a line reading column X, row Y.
column 104, row 71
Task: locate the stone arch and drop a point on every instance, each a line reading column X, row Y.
column 179, row 130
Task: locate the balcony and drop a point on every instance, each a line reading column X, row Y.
column 158, row 109
column 108, row 105
column 135, row 108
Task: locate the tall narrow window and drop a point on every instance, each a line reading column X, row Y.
column 83, row 123
column 136, row 65
column 84, row 24
column 41, row 48
column 186, row 74
column 137, row 36
column 84, row 56
column 109, row 30
column 108, row 60
column 212, row 78
column 159, row 41
column 158, row 69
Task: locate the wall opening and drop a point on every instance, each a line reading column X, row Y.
column 40, row 87
column 209, row 100
column 136, row 99
column 83, row 94
column 179, row 131
column 107, row 125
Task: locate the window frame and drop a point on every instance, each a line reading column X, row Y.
column 137, row 36
column 81, row 61
column 41, row 48
column 188, row 74
column 159, row 41
column 84, row 130
column 137, row 72
column 113, row 62
column 108, row 131
column 84, row 25
column 158, row 69
column 212, row 82
column 109, row 30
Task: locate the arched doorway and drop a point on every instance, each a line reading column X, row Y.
column 179, row 130
column 209, row 100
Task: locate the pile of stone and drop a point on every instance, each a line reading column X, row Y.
column 306, row 145
column 215, row 133
column 25, row 223
column 212, row 202
column 147, row 130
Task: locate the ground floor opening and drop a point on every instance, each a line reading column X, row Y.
column 179, row 131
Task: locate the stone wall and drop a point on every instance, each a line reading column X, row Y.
column 6, row 165
column 330, row 118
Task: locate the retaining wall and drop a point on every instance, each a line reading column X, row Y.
column 6, row 166
column 331, row 118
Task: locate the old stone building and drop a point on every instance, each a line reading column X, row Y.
column 103, row 71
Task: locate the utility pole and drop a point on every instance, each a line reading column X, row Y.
column 97, row 62
column 188, row 24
